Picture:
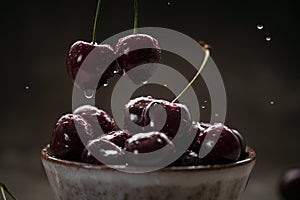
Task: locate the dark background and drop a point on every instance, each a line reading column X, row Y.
column 36, row 35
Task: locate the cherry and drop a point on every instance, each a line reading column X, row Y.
column 145, row 114
column 290, row 184
column 98, row 68
column 244, row 153
column 146, row 143
column 189, row 158
column 96, row 117
column 65, row 142
column 199, row 128
column 117, row 137
column 100, row 151
column 135, row 50
column 221, row 143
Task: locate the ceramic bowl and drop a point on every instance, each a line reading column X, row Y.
column 81, row 181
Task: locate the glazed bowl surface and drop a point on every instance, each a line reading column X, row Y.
column 79, row 181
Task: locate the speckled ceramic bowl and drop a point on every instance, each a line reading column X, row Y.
column 80, row 181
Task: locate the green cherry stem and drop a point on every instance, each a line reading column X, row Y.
column 136, row 16
column 2, row 192
column 96, row 21
column 4, row 189
column 206, row 56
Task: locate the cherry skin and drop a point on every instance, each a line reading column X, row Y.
column 147, row 142
column 290, row 184
column 135, row 50
column 142, row 143
column 99, row 151
column 198, row 128
column 189, row 158
column 117, row 137
column 96, row 70
column 221, row 143
column 65, row 142
column 244, row 153
column 145, row 114
column 96, row 117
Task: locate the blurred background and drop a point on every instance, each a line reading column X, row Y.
column 259, row 66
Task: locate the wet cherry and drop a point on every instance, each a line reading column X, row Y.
column 100, row 151
column 65, row 142
column 96, row 117
column 117, row 137
column 95, row 62
column 135, row 50
column 221, row 143
column 145, row 114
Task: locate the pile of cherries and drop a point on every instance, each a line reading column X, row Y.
column 90, row 135
column 144, row 133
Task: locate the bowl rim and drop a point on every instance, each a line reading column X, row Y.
column 250, row 158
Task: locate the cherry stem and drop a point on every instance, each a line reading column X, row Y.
column 96, row 21
column 4, row 189
column 136, row 16
column 207, row 52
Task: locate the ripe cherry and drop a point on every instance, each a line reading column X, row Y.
column 99, row 119
column 65, row 142
column 100, row 151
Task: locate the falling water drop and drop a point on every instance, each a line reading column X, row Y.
column 105, row 84
column 202, row 107
column 268, row 38
column 272, row 102
column 89, row 93
column 27, row 87
column 169, row 3
column 145, row 82
column 260, row 26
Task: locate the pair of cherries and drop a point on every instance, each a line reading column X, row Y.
column 99, row 63
column 143, row 133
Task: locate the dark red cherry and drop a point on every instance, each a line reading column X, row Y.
column 221, row 143
column 145, row 114
column 135, row 50
column 142, row 143
column 117, row 137
column 96, row 117
column 65, row 142
column 97, row 63
column 100, row 151
column 290, row 184
column 198, row 128
column 147, row 142
column 244, row 153
column 189, row 158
